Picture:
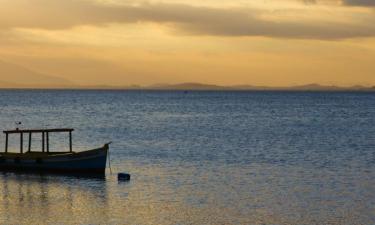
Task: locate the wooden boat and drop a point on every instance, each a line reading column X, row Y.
column 91, row 161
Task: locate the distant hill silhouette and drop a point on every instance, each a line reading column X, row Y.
column 15, row 76
column 307, row 87
column 186, row 86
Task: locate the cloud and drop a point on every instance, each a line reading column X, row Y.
column 309, row 1
column 365, row 3
column 181, row 18
column 359, row 2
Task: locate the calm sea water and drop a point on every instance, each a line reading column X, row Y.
column 200, row 158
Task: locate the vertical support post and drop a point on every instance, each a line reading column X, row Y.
column 6, row 142
column 70, row 142
column 21, row 142
column 42, row 141
column 29, row 142
column 47, row 133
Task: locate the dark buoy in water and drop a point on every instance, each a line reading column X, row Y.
column 123, row 176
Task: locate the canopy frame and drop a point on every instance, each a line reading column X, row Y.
column 45, row 137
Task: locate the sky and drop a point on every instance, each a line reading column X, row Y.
column 224, row 42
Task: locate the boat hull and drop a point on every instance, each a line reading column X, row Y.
column 91, row 161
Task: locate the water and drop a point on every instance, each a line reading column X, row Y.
column 200, row 158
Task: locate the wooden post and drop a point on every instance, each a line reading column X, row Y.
column 21, row 142
column 70, row 142
column 42, row 141
column 47, row 133
column 6, row 142
column 30, row 142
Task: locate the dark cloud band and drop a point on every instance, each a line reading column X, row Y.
column 359, row 2
column 184, row 19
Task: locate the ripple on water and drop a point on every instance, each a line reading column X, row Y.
column 200, row 158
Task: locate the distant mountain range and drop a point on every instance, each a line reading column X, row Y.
column 21, row 77
column 212, row 87
column 308, row 87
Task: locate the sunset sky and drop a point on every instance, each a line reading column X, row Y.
column 225, row 42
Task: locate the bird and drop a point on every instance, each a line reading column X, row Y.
column 18, row 123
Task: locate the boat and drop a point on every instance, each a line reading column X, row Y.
column 69, row 162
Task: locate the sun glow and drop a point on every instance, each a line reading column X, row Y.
column 109, row 42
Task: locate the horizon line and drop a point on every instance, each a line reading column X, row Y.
column 193, row 86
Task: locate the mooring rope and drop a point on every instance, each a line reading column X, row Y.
column 109, row 162
column 109, row 157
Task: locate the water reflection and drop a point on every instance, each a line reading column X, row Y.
column 205, row 158
column 190, row 194
column 35, row 198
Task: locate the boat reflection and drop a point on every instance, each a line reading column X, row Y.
column 50, row 198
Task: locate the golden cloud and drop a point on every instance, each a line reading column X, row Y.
column 183, row 19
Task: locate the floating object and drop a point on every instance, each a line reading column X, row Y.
column 91, row 161
column 123, row 176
